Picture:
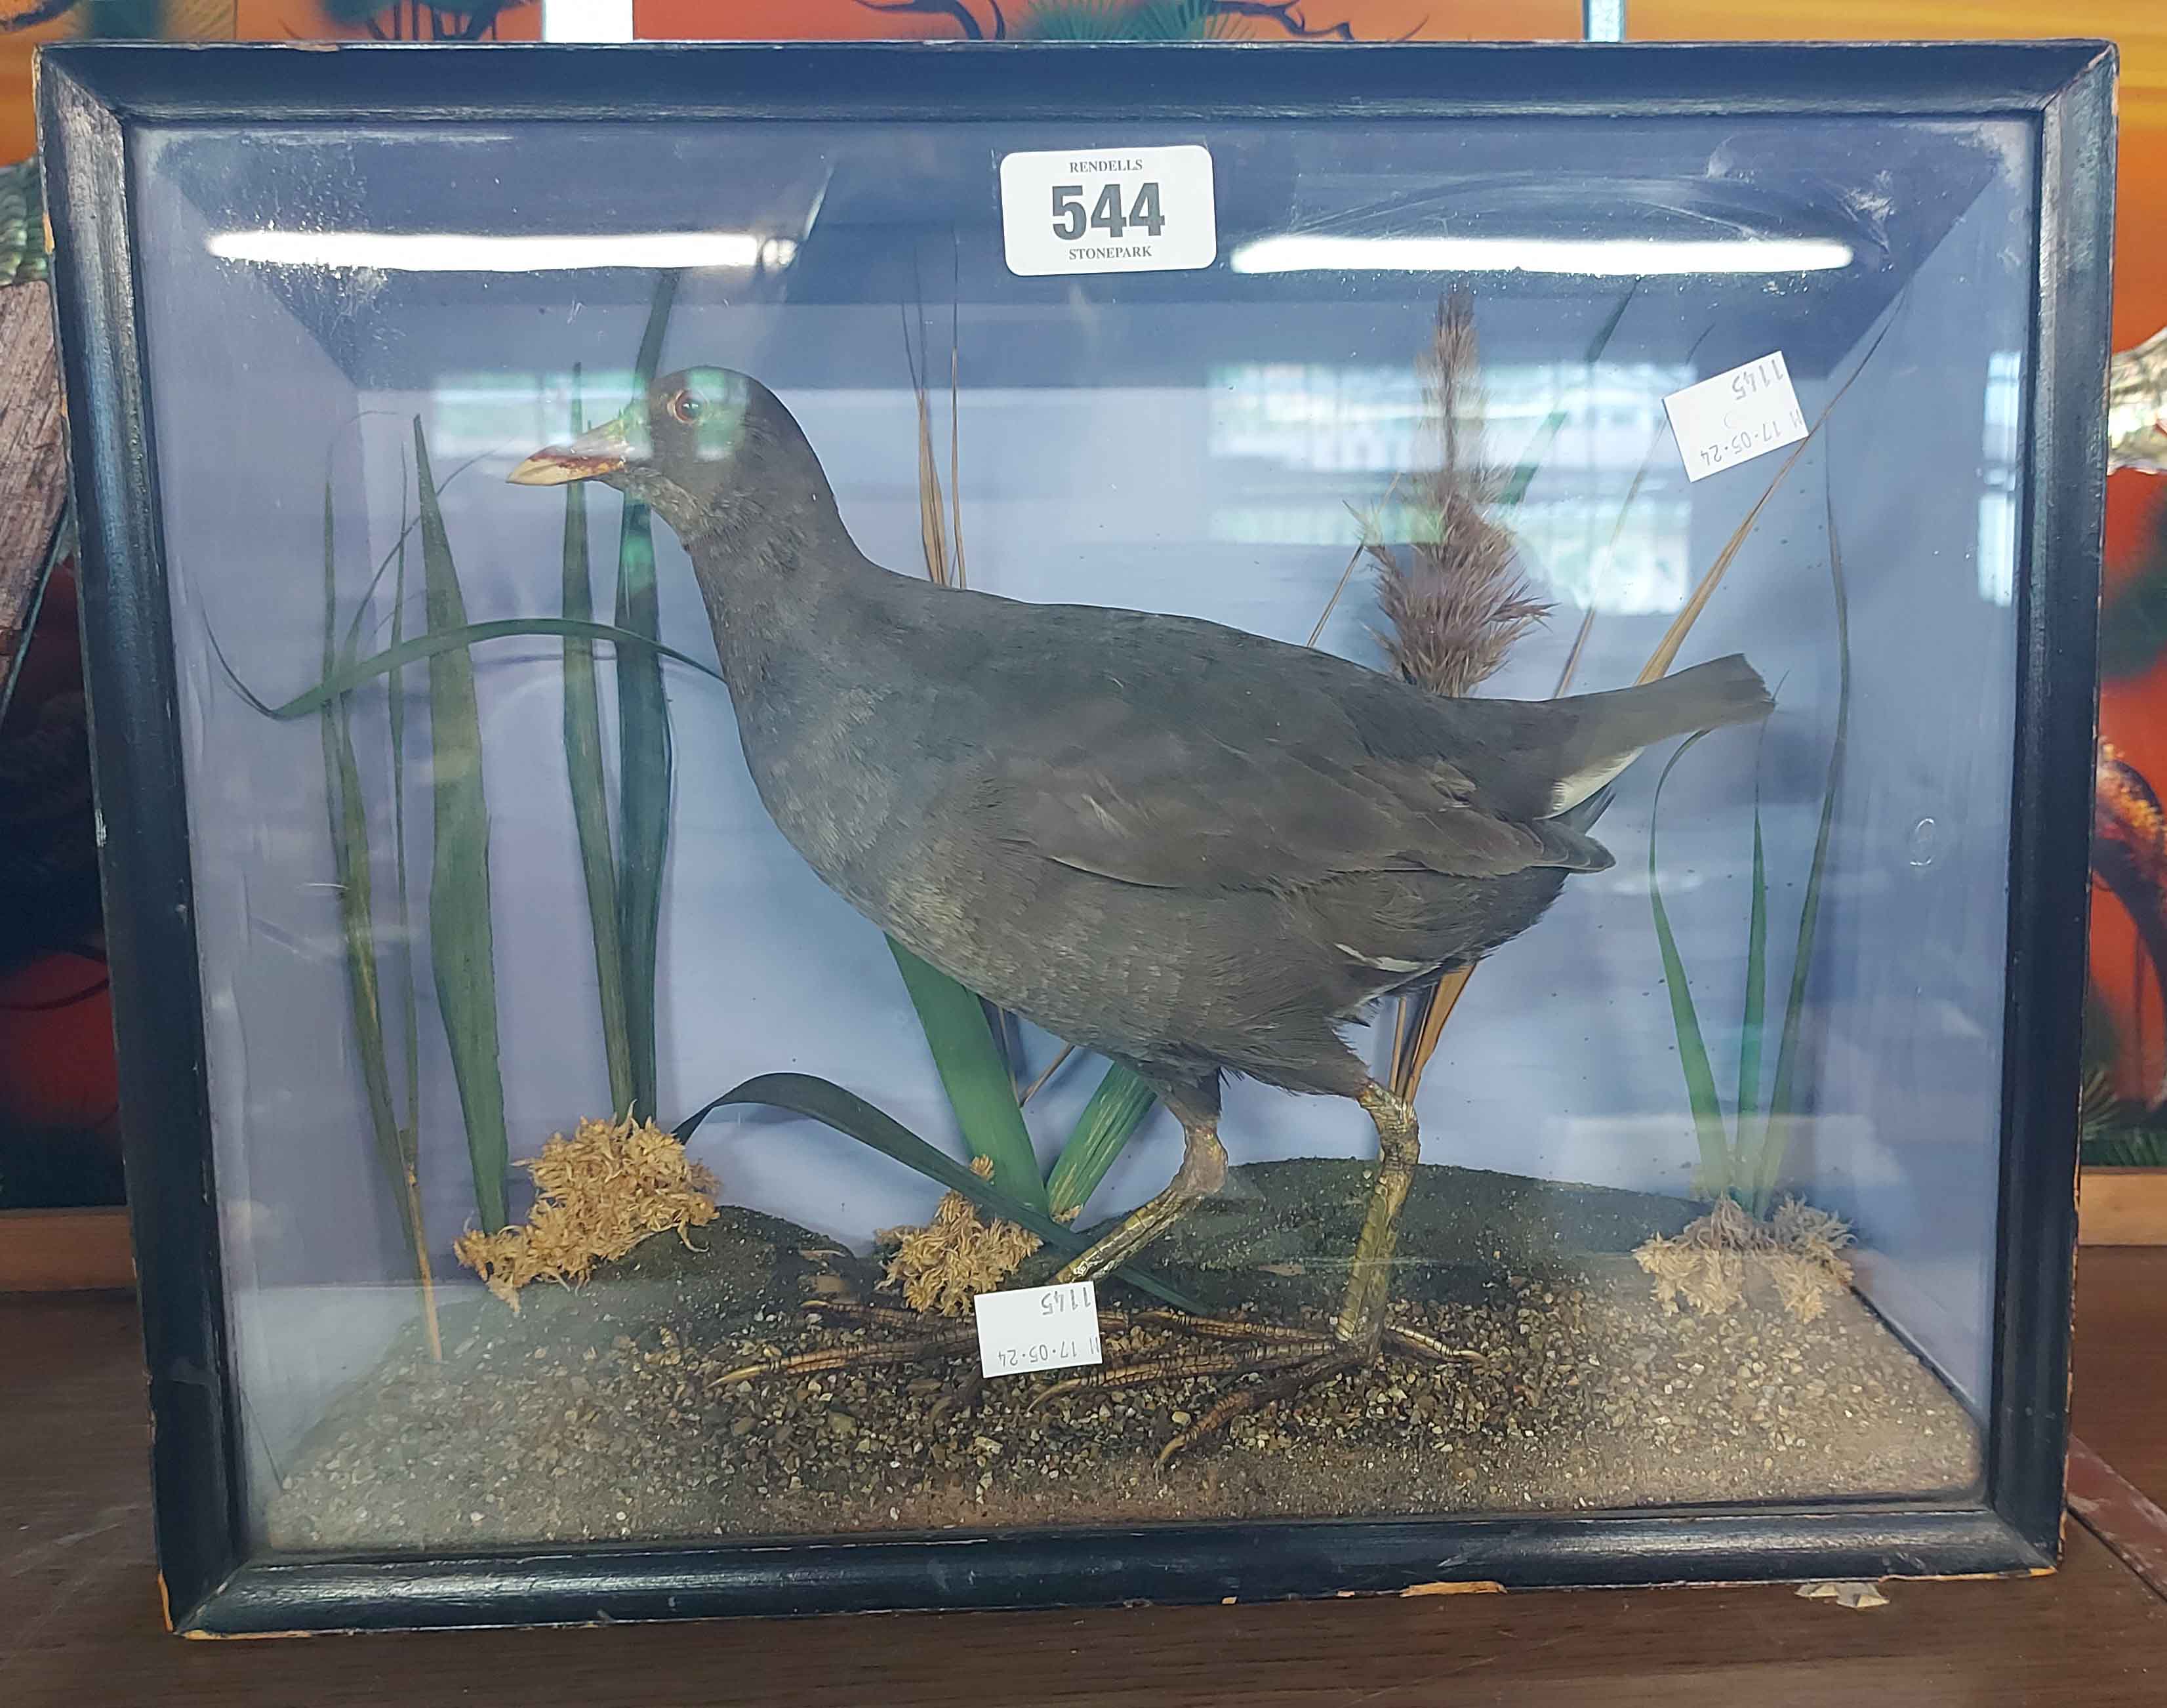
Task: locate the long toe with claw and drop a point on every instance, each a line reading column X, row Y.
column 922, row 1340
column 1266, row 1362
column 1287, row 1358
column 1290, row 1359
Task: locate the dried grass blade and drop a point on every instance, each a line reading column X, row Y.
column 1523, row 476
column 932, row 535
column 357, row 908
column 1572, row 657
column 649, row 361
column 1617, row 529
column 590, row 813
column 1053, row 1067
column 1667, row 651
column 1407, row 1031
column 956, row 444
column 409, row 1012
column 1338, row 587
column 1782, row 1106
column 462, row 939
column 1444, row 997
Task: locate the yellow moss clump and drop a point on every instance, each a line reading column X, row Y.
column 598, row 1194
column 1800, row 1249
column 942, row 1266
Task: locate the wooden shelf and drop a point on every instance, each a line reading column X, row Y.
column 2122, row 1207
column 65, row 1251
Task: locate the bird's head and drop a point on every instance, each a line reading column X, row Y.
column 681, row 447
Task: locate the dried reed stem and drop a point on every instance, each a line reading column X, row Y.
column 1053, row 1068
column 1443, row 996
column 955, row 448
column 932, row 535
column 1454, row 598
column 427, row 1276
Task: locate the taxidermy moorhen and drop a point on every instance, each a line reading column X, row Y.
column 1195, row 850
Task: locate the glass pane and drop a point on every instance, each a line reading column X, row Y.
column 1190, row 851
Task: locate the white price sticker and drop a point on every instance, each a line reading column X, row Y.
column 1108, row 211
column 1038, row 1328
column 1733, row 417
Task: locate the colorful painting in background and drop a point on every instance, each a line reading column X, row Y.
column 2126, row 1112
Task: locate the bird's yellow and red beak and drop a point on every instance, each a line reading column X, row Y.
column 601, row 450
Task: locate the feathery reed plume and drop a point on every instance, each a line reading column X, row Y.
column 1454, row 597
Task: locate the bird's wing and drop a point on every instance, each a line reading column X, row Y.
column 1214, row 803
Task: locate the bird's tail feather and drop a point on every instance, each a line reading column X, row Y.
column 1613, row 727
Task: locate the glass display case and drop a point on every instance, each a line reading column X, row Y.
column 898, row 828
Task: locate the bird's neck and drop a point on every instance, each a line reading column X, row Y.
column 775, row 569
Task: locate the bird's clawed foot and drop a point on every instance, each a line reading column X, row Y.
column 926, row 1338
column 1289, row 1359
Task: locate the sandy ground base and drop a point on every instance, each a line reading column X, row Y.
column 597, row 1414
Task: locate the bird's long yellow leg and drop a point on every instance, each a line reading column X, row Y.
column 1203, row 1170
column 1361, row 1323
column 1359, row 1334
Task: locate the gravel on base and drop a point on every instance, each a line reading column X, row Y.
column 597, row 1414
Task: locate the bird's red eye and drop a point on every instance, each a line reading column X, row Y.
column 684, row 408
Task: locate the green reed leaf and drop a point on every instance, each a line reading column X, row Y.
column 462, row 939
column 644, row 758
column 644, row 764
column 1102, row 1132
column 423, row 647
column 1716, row 1174
column 1756, row 987
column 974, row 1074
column 590, row 814
column 844, row 1111
column 1782, row 1100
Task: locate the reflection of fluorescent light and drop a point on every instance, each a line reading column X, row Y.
column 1612, row 256
column 466, row 252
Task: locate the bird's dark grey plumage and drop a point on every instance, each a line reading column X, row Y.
column 1191, row 848
column 1195, row 850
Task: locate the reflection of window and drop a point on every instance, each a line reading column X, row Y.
column 1595, row 551
column 1301, row 450
column 1323, row 419
column 1997, row 500
column 469, row 414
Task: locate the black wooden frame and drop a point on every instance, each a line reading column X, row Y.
column 87, row 98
